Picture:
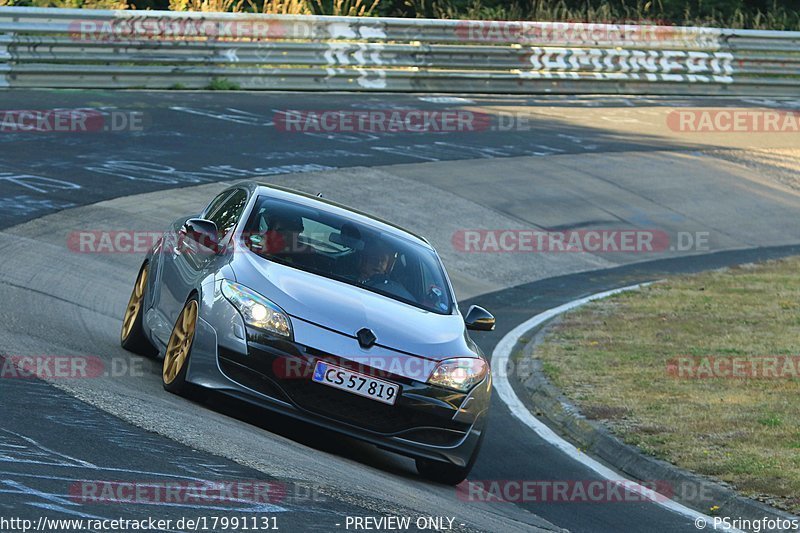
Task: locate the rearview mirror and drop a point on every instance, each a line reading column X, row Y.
column 203, row 232
column 479, row 319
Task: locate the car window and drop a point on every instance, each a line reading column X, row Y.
column 227, row 214
column 433, row 284
column 348, row 250
column 310, row 232
column 318, row 235
column 216, row 202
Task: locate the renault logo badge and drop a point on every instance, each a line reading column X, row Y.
column 366, row 338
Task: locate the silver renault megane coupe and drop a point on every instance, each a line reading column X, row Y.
column 306, row 307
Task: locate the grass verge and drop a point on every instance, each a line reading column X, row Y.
column 702, row 371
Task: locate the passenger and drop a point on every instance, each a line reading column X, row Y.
column 282, row 237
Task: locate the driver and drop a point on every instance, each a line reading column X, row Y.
column 374, row 266
column 375, row 263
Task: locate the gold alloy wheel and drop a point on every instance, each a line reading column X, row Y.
column 180, row 342
column 134, row 304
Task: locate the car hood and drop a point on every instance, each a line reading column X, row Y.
column 346, row 309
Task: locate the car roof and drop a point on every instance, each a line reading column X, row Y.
column 329, row 206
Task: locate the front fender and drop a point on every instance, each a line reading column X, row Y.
column 218, row 324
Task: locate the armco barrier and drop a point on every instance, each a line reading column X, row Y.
column 42, row 47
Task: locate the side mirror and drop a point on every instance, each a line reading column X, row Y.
column 203, row 232
column 479, row 319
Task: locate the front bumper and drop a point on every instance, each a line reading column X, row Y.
column 426, row 421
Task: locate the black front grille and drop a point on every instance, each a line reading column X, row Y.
column 417, row 411
column 359, row 411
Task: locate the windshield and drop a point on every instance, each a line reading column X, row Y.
column 338, row 248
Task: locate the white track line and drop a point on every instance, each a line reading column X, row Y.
column 500, row 357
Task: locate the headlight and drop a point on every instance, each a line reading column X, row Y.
column 459, row 374
column 256, row 310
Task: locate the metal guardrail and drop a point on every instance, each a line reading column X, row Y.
column 41, row 47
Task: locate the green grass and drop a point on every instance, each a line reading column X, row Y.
column 222, row 84
column 611, row 358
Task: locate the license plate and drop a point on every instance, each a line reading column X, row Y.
column 355, row 382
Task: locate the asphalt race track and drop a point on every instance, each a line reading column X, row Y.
column 576, row 163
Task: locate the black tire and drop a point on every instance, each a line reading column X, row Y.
column 132, row 336
column 178, row 384
column 448, row 473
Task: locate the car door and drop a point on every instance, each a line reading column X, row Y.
column 186, row 262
